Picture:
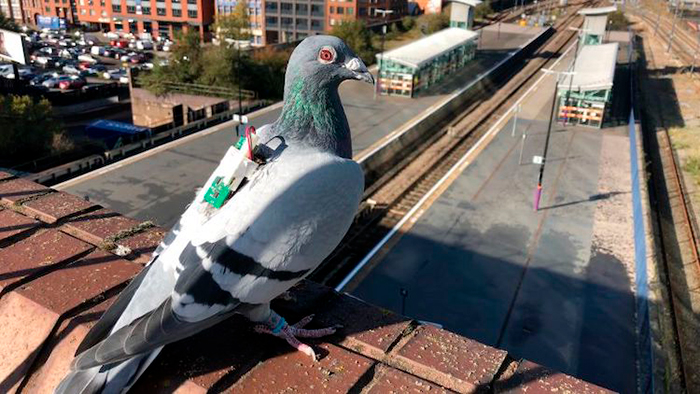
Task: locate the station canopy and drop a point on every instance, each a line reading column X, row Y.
column 595, row 24
column 427, row 48
column 594, row 70
column 598, row 11
column 471, row 3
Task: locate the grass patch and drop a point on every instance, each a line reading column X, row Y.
column 686, row 141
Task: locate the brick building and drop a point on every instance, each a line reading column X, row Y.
column 256, row 13
column 338, row 11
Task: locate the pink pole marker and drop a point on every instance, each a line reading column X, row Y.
column 538, row 195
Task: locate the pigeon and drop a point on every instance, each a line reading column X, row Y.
column 277, row 228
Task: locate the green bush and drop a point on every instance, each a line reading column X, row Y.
column 28, row 129
column 618, row 21
column 431, row 23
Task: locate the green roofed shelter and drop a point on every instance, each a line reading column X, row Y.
column 409, row 69
column 589, row 90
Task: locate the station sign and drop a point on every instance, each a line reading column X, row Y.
column 537, row 160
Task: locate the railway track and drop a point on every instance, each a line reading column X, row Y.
column 677, row 240
column 684, row 44
column 393, row 196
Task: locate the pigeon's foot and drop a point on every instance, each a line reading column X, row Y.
column 277, row 326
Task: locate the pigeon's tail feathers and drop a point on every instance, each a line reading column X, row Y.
column 108, row 379
column 104, row 326
column 88, row 381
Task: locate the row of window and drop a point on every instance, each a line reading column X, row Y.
column 341, row 10
column 301, row 23
column 288, row 8
column 159, row 11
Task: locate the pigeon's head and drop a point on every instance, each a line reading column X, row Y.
column 325, row 61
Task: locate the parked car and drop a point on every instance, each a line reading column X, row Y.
column 39, row 79
column 71, row 69
column 119, row 43
column 53, row 83
column 114, row 74
column 95, row 69
column 97, row 51
column 144, row 45
column 72, row 83
column 87, row 58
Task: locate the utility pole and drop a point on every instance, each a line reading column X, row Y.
column 381, row 59
column 239, row 115
column 676, row 16
column 538, row 190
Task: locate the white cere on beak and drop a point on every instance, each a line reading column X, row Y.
column 354, row 64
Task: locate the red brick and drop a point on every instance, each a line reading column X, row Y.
column 13, row 223
column 213, row 359
column 532, row 378
column 95, row 226
column 82, row 280
column 15, row 190
column 29, row 313
column 337, row 372
column 448, row 359
column 367, row 329
column 54, row 361
column 5, row 176
column 25, row 325
column 36, row 254
column 143, row 244
column 390, row 380
column 56, row 206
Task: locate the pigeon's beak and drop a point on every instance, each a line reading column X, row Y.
column 359, row 70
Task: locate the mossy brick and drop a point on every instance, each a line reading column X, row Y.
column 338, row 371
column 14, row 224
column 95, row 226
column 452, row 361
column 53, row 207
column 16, row 190
column 39, row 253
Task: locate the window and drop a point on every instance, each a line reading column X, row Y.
column 103, row 13
column 191, row 1
column 116, row 8
column 131, row 9
column 302, row 9
column 82, row 11
column 332, row 22
column 160, row 11
column 316, row 10
column 341, row 10
column 146, row 10
column 102, row 3
column 331, row 10
column 363, row 11
column 92, row 12
column 175, row 1
column 48, row 9
column 192, row 13
column 350, row 11
column 271, row 7
column 177, row 12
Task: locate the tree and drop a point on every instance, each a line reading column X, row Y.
column 185, row 66
column 618, row 21
column 358, row 38
column 483, row 10
column 28, row 128
column 7, row 23
column 236, row 25
column 432, row 23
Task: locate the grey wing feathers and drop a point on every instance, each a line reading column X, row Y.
column 102, row 328
column 151, row 331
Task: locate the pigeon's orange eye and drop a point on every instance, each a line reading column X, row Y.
column 326, row 55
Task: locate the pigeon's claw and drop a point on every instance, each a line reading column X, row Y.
column 290, row 333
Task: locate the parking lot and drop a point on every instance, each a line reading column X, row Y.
column 59, row 61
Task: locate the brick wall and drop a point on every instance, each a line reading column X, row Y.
column 59, row 273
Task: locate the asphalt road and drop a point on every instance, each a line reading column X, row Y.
column 157, row 187
column 483, row 264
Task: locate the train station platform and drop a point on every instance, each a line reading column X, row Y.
column 554, row 286
column 158, row 184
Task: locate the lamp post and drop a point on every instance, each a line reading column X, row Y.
column 543, row 159
column 379, row 69
column 238, row 44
